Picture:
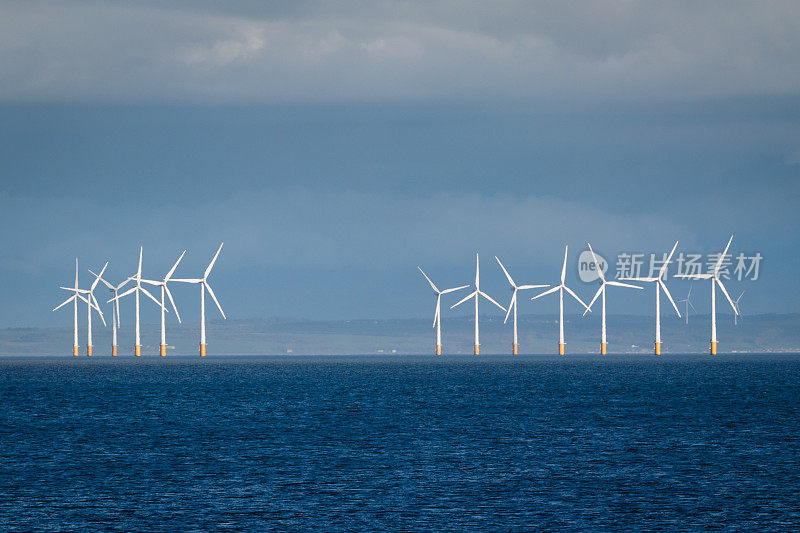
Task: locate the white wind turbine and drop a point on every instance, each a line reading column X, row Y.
column 513, row 303
column 164, row 288
column 93, row 300
column 561, row 287
column 715, row 280
column 602, row 291
column 688, row 303
column 476, row 294
column 658, row 281
column 115, row 323
column 78, row 293
column 204, row 286
column 738, row 312
column 437, row 317
column 136, row 290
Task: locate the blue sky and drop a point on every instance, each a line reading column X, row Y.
column 334, row 149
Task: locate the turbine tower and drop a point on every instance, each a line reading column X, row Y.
column 688, row 303
column 115, row 323
column 204, row 286
column 476, row 293
column 164, row 288
column 602, row 291
column 437, row 317
column 77, row 294
column 659, row 284
column 513, row 304
column 136, row 290
column 93, row 303
column 715, row 280
column 561, row 287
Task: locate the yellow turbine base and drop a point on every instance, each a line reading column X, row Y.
column 202, row 350
column 477, row 349
column 137, row 350
column 438, row 349
column 163, row 350
column 89, row 351
column 113, row 351
column 658, row 348
column 515, row 349
column 603, row 346
column 561, row 350
column 714, row 348
column 75, row 351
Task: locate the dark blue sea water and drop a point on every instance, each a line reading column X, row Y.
column 321, row 444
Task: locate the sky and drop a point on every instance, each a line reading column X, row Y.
column 336, row 146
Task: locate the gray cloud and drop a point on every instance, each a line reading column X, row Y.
column 389, row 50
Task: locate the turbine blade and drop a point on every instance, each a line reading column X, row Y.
column 172, row 270
column 436, row 313
column 490, row 299
column 429, row 280
column 663, row 268
column 722, row 256
column 446, row 291
column 564, row 268
column 526, row 287
column 214, row 297
column 693, row 276
column 554, row 289
column 599, row 290
column 188, row 280
column 570, row 291
column 65, row 302
column 97, row 308
column 139, row 271
column 597, row 265
column 477, row 272
column 727, row 296
column 508, row 276
column 692, row 306
column 470, row 295
column 98, row 276
column 666, row 291
column 618, row 284
column 211, row 265
column 169, row 294
column 510, row 305
column 147, row 293
column 122, row 295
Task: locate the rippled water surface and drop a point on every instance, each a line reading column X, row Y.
column 400, row 443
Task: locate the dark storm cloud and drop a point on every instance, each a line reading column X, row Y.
column 349, row 51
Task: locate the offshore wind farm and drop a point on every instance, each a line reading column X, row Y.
column 475, row 274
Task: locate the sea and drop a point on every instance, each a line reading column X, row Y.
column 575, row 443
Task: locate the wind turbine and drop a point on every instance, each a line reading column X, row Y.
column 437, row 317
column 77, row 294
column 513, row 304
column 659, row 284
column 688, row 303
column 93, row 303
column 738, row 311
column 136, row 290
column 164, row 288
column 561, row 287
column 602, row 290
column 715, row 280
column 115, row 323
column 476, row 293
column 204, row 286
